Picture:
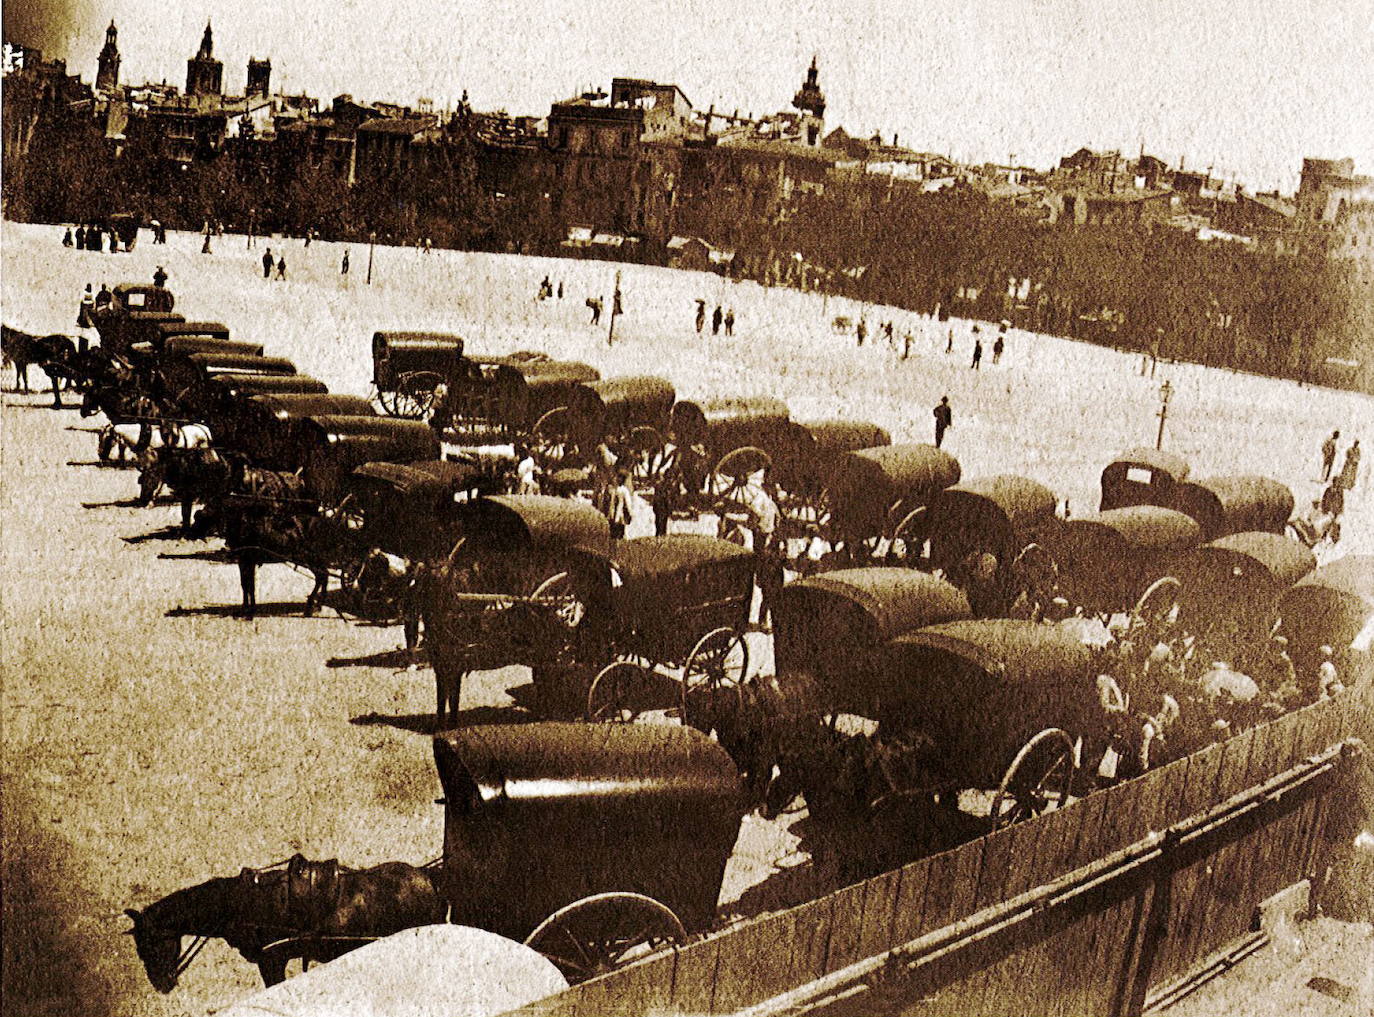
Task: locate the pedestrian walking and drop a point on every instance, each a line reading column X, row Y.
column 949, row 343
column 861, row 331
column 944, row 420
column 67, row 238
column 701, row 315
column 906, row 345
column 997, row 348
column 1329, row 454
column 281, row 267
column 1350, row 469
column 160, row 277
column 560, row 289
column 267, row 262
column 307, row 238
column 716, row 319
column 205, row 247
column 429, row 245
column 617, row 308
column 730, row 321
column 343, row 268
column 80, row 238
column 594, row 305
column 977, row 354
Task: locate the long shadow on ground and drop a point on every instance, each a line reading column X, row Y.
column 277, row 610
column 423, row 723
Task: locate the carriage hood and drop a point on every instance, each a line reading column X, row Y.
column 1271, row 557
column 648, row 558
column 727, row 422
column 1331, row 605
column 1236, row 504
column 541, row 521
column 611, row 406
column 1173, row 466
column 206, row 364
column 913, row 472
column 437, row 480
column 832, row 436
column 241, row 386
column 1005, row 650
column 287, row 407
column 423, row 344
column 185, row 345
column 1139, row 528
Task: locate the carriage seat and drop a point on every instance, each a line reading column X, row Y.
column 312, row 890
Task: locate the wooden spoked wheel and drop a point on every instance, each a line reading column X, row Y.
column 595, row 934
column 718, row 661
column 1157, row 603
column 907, row 546
column 412, row 396
column 551, row 438
column 561, row 597
column 617, row 693
column 1039, row 780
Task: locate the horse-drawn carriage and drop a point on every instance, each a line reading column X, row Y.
column 970, row 724
column 1235, row 504
column 1107, row 562
column 264, row 425
column 409, row 367
column 329, row 448
column 1329, row 609
column 1142, row 476
column 588, row 842
column 1237, row 582
column 538, row 581
column 185, row 382
column 628, row 414
column 497, row 399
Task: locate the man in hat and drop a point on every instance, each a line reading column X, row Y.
column 267, row 262
column 1329, row 454
column 944, row 419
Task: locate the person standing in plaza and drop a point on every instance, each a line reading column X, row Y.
column 1350, row 469
column 730, row 321
column 617, row 506
column 701, row 315
column 1329, row 454
column 861, row 331
column 343, row 268
column 977, row 354
column 997, row 348
column 267, row 262
column 716, row 319
column 160, row 277
column 281, row 267
column 944, row 420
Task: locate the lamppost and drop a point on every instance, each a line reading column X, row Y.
column 1166, row 392
column 371, row 242
column 252, row 224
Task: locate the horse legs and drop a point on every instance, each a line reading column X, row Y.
column 187, row 504
column 448, row 689
column 316, row 597
column 248, row 582
column 272, row 969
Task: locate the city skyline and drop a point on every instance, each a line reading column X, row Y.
column 1248, row 92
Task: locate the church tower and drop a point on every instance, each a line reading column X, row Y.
column 259, row 77
column 205, row 74
column 810, row 101
column 107, row 77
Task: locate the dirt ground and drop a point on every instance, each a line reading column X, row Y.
column 152, row 741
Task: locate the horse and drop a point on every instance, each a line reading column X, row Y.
column 52, row 353
column 311, row 911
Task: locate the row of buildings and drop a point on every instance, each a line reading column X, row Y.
column 642, row 163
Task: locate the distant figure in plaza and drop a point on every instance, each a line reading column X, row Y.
column 159, row 232
column 716, row 319
column 997, row 347
column 160, row 277
column 429, row 245
column 1332, row 501
column 307, row 238
column 891, row 341
column 97, row 237
column 205, row 247
column 701, row 315
column 861, row 331
column 343, row 268
column 730, row 321
column 977, row 354
column 80, row 237
column 560, row 289
column 67, row 238
column 944, row 420
column 1329, row 454
column 83, row 314
column 267, row 263
column 906, row 345
column 545, row 289
column 104, row 298
column 281, row 267
column 1350, row 469
column 594, row 305
column 949, row 343
column 617, row 308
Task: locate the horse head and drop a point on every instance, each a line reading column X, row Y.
column 159, row 949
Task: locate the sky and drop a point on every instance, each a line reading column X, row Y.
column 1248, row 88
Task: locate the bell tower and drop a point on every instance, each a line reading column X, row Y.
column 107, row 77
column 205, row 74
column 810, row 102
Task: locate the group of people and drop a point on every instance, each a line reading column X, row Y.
column 1350, row 467
column 91, row 238
column 547, row 290
column 719, row 318
column 268, row 263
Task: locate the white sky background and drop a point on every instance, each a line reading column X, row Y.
column 1249, row 87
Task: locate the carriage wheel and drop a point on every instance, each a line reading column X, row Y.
column 616, row 693
column 597, row 933
column 1037, row 575
column 719, row 660
column 550, row 438
column 414, row 395
column 734, row 468
column 1039, row 780
column 1158, row 602
column 569, row 608
column 652, row 458
column 349, row 515
column 908, row 538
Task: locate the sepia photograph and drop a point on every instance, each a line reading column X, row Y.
column 792, row 509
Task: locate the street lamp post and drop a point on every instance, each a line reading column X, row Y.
column 252, row 224
column 615, row 310
column 371, row 242
column 1166, row 392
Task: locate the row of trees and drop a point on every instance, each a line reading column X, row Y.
column 1137, row 286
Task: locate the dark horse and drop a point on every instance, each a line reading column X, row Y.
column 53, row 353
column 314, row 911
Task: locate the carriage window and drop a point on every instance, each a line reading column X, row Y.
column 1139, row 475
